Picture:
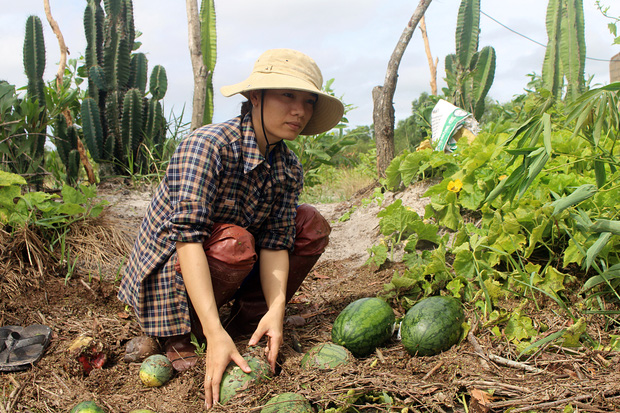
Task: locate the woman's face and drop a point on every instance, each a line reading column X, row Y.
column 286, row 112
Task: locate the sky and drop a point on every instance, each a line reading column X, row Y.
column 351, row 41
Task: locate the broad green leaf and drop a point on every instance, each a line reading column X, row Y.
column 455, row 286
column 553, row 281
column 573, row 334
column 8, row 179
column 519, row 328
column 71, row 195
column 572, row 254
column 8, row 195
column 393, row 175
column 536, row 236
column 494, row 290
column 71, row 209
column 464, row 264
column 427, row 232
column 378, row 255
column 404, row 282
column 37, row 199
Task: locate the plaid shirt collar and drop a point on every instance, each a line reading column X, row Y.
column 252, row 157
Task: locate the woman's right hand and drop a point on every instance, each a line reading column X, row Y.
column 221, row 349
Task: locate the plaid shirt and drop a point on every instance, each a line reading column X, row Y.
column 217, row 174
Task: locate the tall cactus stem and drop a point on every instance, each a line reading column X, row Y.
column 158, row 84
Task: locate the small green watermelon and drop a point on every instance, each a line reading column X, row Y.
column 235, row 380
column 326, row 356
column 287, row 403
column 364, row 325
column 432, row 326
column 156, row 370
column 87, row 406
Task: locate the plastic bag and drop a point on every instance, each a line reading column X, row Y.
column 448, row 124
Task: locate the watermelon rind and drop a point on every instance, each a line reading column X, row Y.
column 287, row 403
column 87, row 406
column 236, row 380
column 156, row 370
column 326, row 356
column 432, row 325
column 364, row 325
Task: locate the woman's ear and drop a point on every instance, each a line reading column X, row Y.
column 255, row 97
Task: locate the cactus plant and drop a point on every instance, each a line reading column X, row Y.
column 469, row 72
column 66, row 145
column 117, row 87
column 566, row 49
column 208, row 44
column 139, row 67
column 34, row 67
column 34, row 59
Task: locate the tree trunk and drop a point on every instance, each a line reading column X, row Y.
column 64, row 51
column 383, row 96
column 198, row 66
column 432, row 65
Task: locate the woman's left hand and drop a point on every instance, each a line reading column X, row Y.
column 271, row 325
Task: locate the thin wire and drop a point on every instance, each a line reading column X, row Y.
column 532, row 40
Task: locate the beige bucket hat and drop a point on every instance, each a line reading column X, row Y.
column 290, row 69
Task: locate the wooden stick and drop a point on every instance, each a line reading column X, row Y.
column 432, row 371
column 472, row 340
column 431, row 64
column 555, row 403
column 514, row 364
column 18, row 393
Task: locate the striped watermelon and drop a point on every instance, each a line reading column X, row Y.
column 326, row 356
column 364, row 325
column 432, row 326
column 156, row 370
column 87, row 406
column 287, row 403
column 236, row 380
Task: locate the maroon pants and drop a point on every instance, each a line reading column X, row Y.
column 233, row 263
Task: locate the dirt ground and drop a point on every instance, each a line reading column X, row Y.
column 475, row 375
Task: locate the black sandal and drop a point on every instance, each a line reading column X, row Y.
column 21, row 347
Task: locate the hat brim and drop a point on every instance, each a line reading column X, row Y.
column 328, row 109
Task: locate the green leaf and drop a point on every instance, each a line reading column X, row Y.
column 71, row 195
column 378, row 255
column 542, row 342
column 519, row 327
column 393, row 174
column 397, row 218
column 8, row 179
column 464, row 264
column 573, row 334
column 605, row 225
column 580, row 194
column 612, row 273
column 597, row 247
column 553, row 281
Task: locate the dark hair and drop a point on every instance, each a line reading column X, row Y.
column 246, row 107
